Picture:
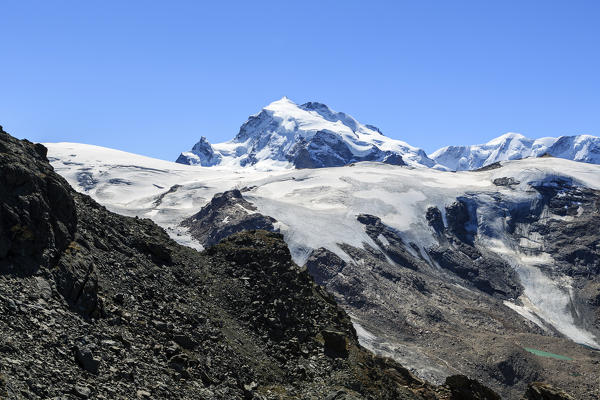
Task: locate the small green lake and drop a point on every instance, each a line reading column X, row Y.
column 546, row 354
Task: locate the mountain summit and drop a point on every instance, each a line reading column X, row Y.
column 514, row 146
column 287, row 135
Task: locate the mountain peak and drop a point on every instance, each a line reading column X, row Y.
column 507, row 137
column 281, row 102
column 312, row 135
column 514, row 146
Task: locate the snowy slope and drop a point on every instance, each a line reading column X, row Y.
column 318, row 207
column 311, row 135
column 513, row 146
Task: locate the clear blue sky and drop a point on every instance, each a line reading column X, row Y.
column 152, row 77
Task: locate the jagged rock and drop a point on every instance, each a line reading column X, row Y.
column 226, row 214
column 391, row 244
column 82, row 391
column 202, row 153
column 328, row 149
column 324, row 265
column 505, row 181
column 37, row 212
column 336, row 343
column 458, row 216
column 435, row 220
column 542, row 391
column 86, row 359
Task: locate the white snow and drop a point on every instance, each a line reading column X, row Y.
column 514, row 146
column 546, row 299
column 269, row 138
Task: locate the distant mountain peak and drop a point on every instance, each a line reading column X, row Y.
column 312, row 135
column 513, row 146
column 507, row 137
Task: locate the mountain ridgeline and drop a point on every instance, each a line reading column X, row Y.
column 311, row 135
column 513, row 146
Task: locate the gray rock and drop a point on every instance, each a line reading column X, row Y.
column 82, row 391
column 226, row 214
column 86, row 359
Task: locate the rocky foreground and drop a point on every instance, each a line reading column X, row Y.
column 97, row 305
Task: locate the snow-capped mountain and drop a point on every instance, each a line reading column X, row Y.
column 513, row 146
column 460, row 263
column 311, row 135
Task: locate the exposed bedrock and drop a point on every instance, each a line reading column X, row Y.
column 328, row 149
column 226, row 214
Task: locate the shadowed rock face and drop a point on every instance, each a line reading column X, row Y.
column 106, row 306
column 38, row 224
column 468, row 389
column 573, row 238
column 327, row 149
column 37, row 212
column 457, row 253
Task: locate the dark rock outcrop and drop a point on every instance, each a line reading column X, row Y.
column 37, row 213
column 505, row 181
column 226, row 214
column 542, row 391
column 458, row 253
column 328, row 149
column 324, row 265
column 391, row 243
column 463, row 388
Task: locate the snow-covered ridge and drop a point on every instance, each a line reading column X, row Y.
column 513, row 146
column 287, row 135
